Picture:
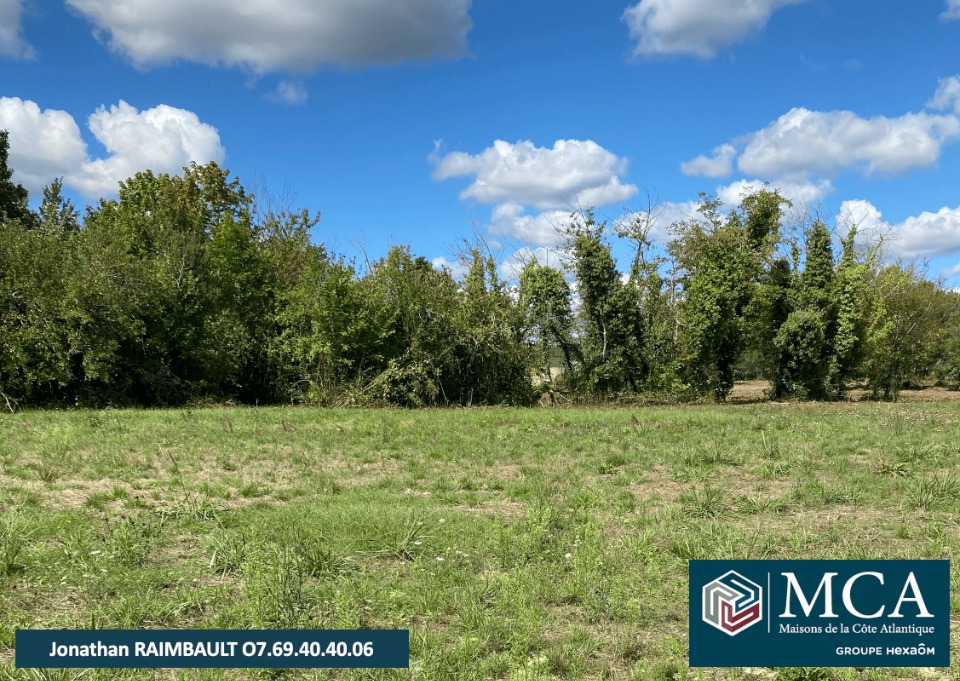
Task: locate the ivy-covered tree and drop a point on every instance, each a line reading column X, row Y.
column 722, row 261
column 611, row 329
column 804, row 347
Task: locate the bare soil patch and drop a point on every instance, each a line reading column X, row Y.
column 759, row 391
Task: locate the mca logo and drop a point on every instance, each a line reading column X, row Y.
column 732, row 603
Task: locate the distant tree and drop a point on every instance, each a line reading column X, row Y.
column 804, row 342
column 723, row 260
column 13, row 196
column 57, row 215
column 34, row 342
column 198, row 283
column 656, row 302
column 419, row 305
column 611, row 328
column 771, row 307
column 912, row 323
column 548, row 317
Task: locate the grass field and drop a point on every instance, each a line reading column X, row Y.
column 514, row 544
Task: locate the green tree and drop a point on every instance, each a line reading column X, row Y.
column 852, row 312
column 548, row 319
column 57, row 215
column 722, row 262
column 34, row 357
column 804, row 343
column 771, row 307
column 611, row 329
column 491, row 358
column 655, row 301
column 196, row 282
column 912, row 322
column 13, row 197
column 420, row 306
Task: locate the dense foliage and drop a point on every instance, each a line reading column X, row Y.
column 185, row 288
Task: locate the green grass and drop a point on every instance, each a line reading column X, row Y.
column 514, row 544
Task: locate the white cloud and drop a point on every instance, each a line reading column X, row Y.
column 543, row 229
column 696, row 27
column 47, row 144
column 572, row 173
column 297, row 35
column 555, row 182
column 947, row 97
column 803, row 141
column 928, row 234
column 863, row 215
column 921, row 236
column 718, row 165
column 952, row 272
column 952, row 11
column 289, row 92
column 803, row 195
column 12, row 43
column 43, row 144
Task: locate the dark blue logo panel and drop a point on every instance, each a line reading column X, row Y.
column 820, row 613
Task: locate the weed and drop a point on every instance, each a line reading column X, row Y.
column 276, row 586
column 253, row 489
column 705, row 502
column 612, row 463
column 762, row 505
column 896, row 469
column 316, row 555
column 805, row 674
column 229, row 551
column 933, row 493
column 14, row 537
column 132, row 540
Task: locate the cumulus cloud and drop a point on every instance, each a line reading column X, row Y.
column 802, row 143
column 720, row 164
column 947, row 97
column 572, row 173
column 553, row 181
column 926, row 235
column 46, row 144
column 12, row 44
column 697, row 28
column 300, row 35
column 543, row 229
column 43, row 144
column 952, row 11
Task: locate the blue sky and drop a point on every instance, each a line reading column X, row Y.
column 424, row 121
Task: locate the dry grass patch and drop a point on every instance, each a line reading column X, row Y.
column 659, row 485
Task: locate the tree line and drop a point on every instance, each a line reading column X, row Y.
column 187, row 288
